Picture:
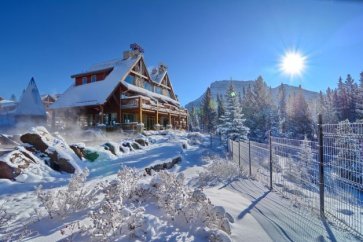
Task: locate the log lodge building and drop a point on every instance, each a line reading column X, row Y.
column 122, row 93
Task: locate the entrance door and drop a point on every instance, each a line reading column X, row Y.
column 149, row 122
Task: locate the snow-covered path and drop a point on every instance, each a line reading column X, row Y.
column 261, row 215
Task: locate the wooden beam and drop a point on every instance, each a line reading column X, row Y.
column 138, row 74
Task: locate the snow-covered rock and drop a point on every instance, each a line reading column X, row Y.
column 61, row 156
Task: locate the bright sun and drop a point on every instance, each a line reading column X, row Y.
column 292, row 63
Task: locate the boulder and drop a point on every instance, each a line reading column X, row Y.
column 135, row 146
column 176, row 160
column 142, row 142
column 110, row 147
column 56, row 161
column 34, row 140
column 77, row 150
column 8, row 172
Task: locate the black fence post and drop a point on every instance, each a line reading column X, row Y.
column 249, row 156
column 321, row 165
column 232, row 148
column 270, row 141
column 239, row 154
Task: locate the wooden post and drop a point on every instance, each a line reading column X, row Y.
column 101, row 114
column 170, row 119
column 119, row 117
column 53, row 119
column 157, row 112
column 140, row 110
column 179, row 120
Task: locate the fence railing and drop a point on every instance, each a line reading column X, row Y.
column 324, row 177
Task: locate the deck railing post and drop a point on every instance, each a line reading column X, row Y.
column 270, row 142
column 249, row 157
column 321, row 165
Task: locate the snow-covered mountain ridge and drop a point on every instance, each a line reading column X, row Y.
column 220, row 87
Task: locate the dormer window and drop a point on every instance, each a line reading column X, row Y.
column 84, row 80
column 93, row 78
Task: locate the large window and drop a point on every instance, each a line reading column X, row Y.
column 129, row 118
column 130, row 79
column 148, row 86
column 84, row 80
column 158, row 90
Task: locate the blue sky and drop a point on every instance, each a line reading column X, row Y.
column 200, row 41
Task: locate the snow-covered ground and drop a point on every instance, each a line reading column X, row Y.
column 165, row 206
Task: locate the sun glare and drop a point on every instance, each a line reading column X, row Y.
column 293, row 63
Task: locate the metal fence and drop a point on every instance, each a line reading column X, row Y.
column 324, row 177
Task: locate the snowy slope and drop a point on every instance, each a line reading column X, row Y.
column 259, row 215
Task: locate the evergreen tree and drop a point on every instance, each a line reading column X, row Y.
column 220, row 109
column 359, row 104
column 209, row 117
column 282, row 109
column 232, row 122
column 348, row 163
column 300, row 121
column 259, row 110
column 194, row 120
column 13, row 98
column 330, row 115
column 308, row 167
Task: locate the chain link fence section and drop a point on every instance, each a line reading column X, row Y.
column 343, row 174
column 296, row 175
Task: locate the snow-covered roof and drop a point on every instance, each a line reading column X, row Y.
column 30, row 102
column 96, row 93
column 7, row 103
column 54, row 96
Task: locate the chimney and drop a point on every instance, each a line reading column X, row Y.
column 162, row 68
column 127, row 54
column 154, row 71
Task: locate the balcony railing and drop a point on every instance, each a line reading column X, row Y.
column 148, row 104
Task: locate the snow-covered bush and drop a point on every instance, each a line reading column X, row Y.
column 63, row 202
column 112, row 218
column 188, row 207
column 220, row 170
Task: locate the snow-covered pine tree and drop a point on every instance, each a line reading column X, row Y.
column 300, row 120
column 194, row 120
column 308, row 167
column 348, row 163
column 232, row 122
column 330, row 116
column 259, row 110
column 359, row 101
column 209, row 117
column 220, row 107
column 13, row 97
column 282, row 109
